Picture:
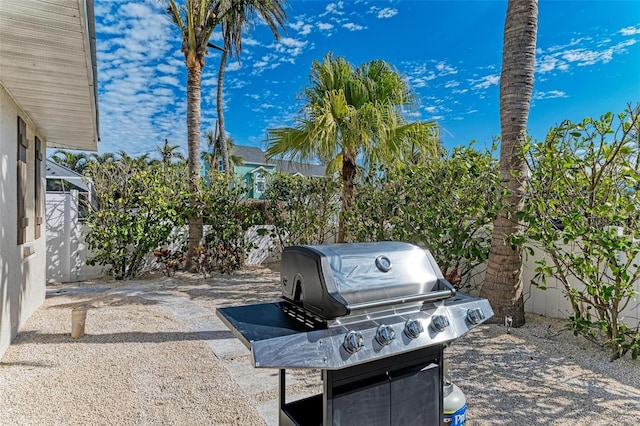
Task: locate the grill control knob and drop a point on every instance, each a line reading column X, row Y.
column 385, row 335
column 475, row 315
column 353, row 341
column 413, row 328
column 439, row 322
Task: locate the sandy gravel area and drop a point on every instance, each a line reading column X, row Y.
column 152, row 356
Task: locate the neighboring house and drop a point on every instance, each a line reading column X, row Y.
column 47, row 100
column 256, row 169
column 62, row 180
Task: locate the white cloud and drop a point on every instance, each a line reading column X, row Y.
column 249, row 41
column 384, row 13
column 302, row 27
column 269, row 61
column 291, row 42
column 486, row 81
column 552, row 94
column 168, row 69
column 418, row 82
column 289, row 46
column 324, row 26
column 168, row 80
column 561, row 57
column 547, row 63
column 585, row 57
column 629, row 31
column 571, row 43
column 353, row 27
column 451, row 84
column 234, row 66
column 444, row 69
column 334, row 9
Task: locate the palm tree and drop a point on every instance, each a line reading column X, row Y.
column 214, row 142
column 77, row 162
column 168, row 153
column 351, row 112
column 503, row 282
column 107, row 157
column 239, row 15
column 197, row 19
column 141, row 161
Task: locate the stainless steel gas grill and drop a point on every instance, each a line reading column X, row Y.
column 374, row 317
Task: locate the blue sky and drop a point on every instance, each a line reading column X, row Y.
column 588, row 63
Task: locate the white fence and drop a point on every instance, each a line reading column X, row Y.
column 66, row 251
column 553, row 303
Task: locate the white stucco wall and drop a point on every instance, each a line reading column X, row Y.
column 22, row 268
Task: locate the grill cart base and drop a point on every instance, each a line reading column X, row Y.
column 404, row 390
column 374, row 318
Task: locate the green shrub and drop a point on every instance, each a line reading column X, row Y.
column 584, row 180
column 302, row 210
column 227, row 216
column 138, row 206
column 445, row 204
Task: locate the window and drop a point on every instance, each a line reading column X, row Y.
column 259, row 184
column 21, row 171
column 220, row 165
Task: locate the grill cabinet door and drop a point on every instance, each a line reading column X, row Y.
column 362, row 403
column 404, row 390
column 415, row 396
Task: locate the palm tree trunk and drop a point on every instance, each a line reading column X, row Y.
column 220, row 105
column 193, row 140
column 348, row 179
column 503, row 284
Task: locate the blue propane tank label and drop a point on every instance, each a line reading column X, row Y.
column 457, row 418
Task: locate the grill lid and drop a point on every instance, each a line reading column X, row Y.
column 337, row 279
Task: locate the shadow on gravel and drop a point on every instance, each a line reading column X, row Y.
column 25, row 364
column 242, row 289
column 106, row 300
column 28, row 337
column 537, row 388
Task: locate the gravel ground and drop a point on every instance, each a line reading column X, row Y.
column 142, row 362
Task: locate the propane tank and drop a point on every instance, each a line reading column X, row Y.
column 454, row 401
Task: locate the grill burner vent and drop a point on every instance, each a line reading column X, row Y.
column 302, row 316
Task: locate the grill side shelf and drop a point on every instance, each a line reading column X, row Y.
column 263, row 321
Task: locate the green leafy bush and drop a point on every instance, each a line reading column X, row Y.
column 227, row 216
column 445, row 204
column 138, row 206
column 584, row 181
column 302, row 210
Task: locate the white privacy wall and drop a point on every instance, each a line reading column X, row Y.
column 553, row 303
column 66, row 250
